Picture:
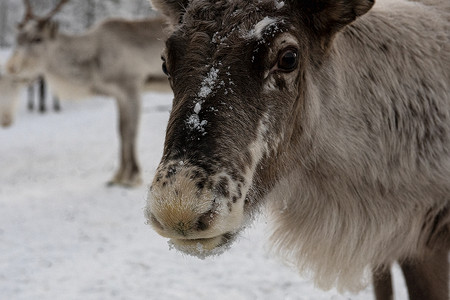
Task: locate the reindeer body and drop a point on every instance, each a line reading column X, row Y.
column 116, row 52
column 343, row 132
column 117, row 58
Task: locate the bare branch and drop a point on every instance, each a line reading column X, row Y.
column 56, row 9
column 28, row 12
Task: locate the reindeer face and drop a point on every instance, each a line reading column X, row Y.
column 32, row 44
column 236, row 69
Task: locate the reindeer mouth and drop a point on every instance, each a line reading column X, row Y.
column 203, row 248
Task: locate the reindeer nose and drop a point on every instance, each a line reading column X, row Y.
column 180, row 224
column 180, row 206
column 198, row 210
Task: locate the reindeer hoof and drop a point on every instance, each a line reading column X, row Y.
column 135, row 181
column 6, row 122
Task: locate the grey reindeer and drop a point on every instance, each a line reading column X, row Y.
column 334, row 114
column 117, row 58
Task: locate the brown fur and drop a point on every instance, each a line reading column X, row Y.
column 349, row 150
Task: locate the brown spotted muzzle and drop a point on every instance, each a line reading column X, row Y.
column 190, row 212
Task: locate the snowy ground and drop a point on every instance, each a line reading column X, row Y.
column 65, row 235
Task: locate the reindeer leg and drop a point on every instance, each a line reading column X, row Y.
column 428, row 279
column 42, row 92
column 129, row 114
column 56, row 104
column 382, row 283
column 31, row 97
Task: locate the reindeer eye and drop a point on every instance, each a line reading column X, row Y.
column 164, row 66
column 288, row 60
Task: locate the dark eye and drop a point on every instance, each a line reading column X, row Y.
column 36, row 40
column 288, row 60
column 164, row 67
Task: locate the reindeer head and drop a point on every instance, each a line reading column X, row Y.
column 32, row 41
column 239, row 72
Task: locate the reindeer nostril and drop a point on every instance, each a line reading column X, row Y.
column 205, row 221
column 201, row 225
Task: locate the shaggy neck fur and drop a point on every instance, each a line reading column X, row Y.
column 374, row 185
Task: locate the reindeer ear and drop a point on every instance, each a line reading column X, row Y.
column 329, row 16
column 172, row 9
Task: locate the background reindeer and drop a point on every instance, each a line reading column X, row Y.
column 116, row 58
column 342, row 127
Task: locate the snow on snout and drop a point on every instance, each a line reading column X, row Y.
column 207, row 87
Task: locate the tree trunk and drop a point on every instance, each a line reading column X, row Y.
column 3, row 24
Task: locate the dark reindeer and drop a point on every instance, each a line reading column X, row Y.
column 116, row 58
column 334, row 114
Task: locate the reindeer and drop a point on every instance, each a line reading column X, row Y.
column 116, row 58
column 333, row 114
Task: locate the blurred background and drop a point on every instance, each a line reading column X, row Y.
column 76, row 16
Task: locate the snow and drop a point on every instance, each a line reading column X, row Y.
column 65, row 235
column 194, row 123
column 208, row 83
column 207, row 87
column 279, row 5
column 198, row 250
column 257, row 31
column 198, row 107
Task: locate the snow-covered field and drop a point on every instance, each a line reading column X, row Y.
column 65, row 235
